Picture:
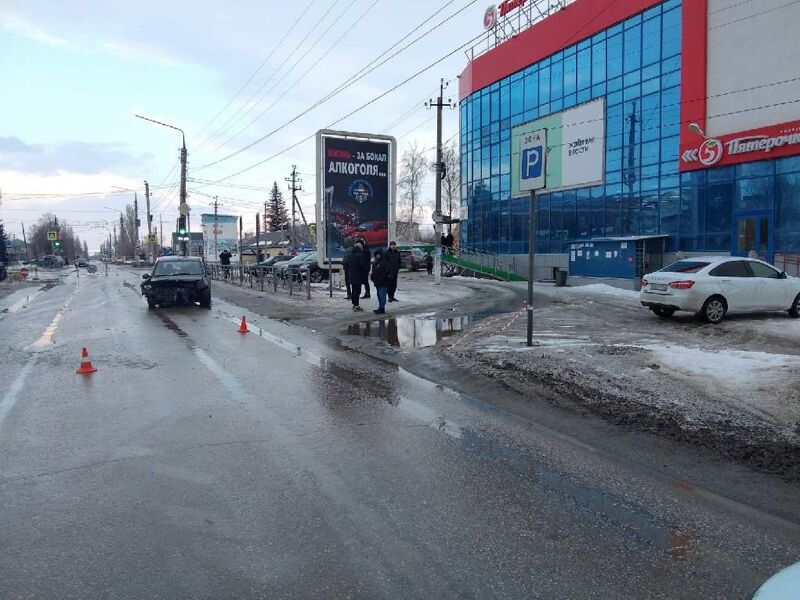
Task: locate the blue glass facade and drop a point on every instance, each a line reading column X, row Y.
column 636, row 67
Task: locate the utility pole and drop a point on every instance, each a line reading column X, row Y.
column 183, row 189
column 294, row 187
column 161, row 232
column 258, row 238
column 25, row 241
column 630, row 171
column 116, row 243
column 437, row 227
column 216, row 206
column 149, row 223
column 136, row 228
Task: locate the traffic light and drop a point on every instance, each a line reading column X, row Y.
column 57, row 244
column 182, row 225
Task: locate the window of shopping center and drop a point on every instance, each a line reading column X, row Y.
column 636, row 66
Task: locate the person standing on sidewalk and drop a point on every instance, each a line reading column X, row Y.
column 380, row 277
column 393, row 263
column 225, row 261
column 359, row 275
column 348, row 251
column 429, row 263
column 365, row 266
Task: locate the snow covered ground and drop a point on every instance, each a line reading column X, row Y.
column 596, row 346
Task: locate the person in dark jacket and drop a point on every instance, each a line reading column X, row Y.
column 393, row 263
column 380, row 277
column 365, row 274
column 358, row 273
column 225, row 261
column 348, row 250
column 429, row 263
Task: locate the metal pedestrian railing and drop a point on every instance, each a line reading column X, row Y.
column 465, row 260
column 294, row 281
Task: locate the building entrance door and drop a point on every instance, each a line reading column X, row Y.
column 753, row 232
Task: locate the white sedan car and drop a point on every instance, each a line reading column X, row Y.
column 713, row 286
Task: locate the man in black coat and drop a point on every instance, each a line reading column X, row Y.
column 366, row 266
column 393, row 264
column 358, row 271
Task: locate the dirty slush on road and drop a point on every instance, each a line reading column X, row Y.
column 587, row 365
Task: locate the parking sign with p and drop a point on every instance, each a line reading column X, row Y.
column 532, row 160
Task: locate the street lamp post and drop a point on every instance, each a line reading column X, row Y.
column 183, row 169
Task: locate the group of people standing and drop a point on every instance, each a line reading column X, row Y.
column 359, row 270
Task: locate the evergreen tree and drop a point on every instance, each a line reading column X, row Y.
column 277, row 215
column 3, row 238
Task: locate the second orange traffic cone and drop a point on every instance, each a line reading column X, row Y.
column 243, row 327
column 86, row 367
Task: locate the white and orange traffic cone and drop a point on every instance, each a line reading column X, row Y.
column 86, row 367
column 243, row 327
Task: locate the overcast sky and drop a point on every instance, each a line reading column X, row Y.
column 74, row 73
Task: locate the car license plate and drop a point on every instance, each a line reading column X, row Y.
column 659, row 287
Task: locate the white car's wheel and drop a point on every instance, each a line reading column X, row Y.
column 714, row 309
column 794, row 311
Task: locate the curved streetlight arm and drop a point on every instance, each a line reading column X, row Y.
column 183, row 135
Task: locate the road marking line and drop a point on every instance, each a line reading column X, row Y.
column 46, row 341
column 10, row 398
column 22, row 303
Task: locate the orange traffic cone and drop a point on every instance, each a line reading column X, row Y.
column 243, row 327
column 86, row 367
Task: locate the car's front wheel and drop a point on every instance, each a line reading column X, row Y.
column 794, row 310
column 205, row 298
column 714, row 310
column 316, row 276
column 664, row 313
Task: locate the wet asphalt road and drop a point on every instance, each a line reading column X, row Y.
column 201, row 463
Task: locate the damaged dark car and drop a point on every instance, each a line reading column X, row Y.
column 177, row 280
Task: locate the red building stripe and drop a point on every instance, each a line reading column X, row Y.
column 576, row 22
column 694, row 72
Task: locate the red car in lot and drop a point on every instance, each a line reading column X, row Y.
column 374, row 233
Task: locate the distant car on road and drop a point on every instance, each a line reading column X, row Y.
column 412, row 259
column 272, row 261
column 714, row 286
column 177, row 280
column 83, row 262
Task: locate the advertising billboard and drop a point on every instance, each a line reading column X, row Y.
column 356, row 180
column 221, row 232
column 575, row 147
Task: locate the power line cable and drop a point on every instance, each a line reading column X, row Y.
column 257, row 71
column 305, row 73
column 349, row 83
column 248, row 107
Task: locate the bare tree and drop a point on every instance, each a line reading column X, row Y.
column 451, row 182
column 414, row 167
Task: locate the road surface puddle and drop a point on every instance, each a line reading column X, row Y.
column 411, row 332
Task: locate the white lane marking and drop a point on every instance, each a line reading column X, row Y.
column 22, row 303
column 310, row 357
column 10, row 397
column 226, row 379
column 46, row 341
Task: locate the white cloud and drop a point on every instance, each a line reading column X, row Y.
column 140, row 53
column 24, row 190
column 31, row 32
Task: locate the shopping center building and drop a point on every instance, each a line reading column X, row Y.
column 672, row 126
